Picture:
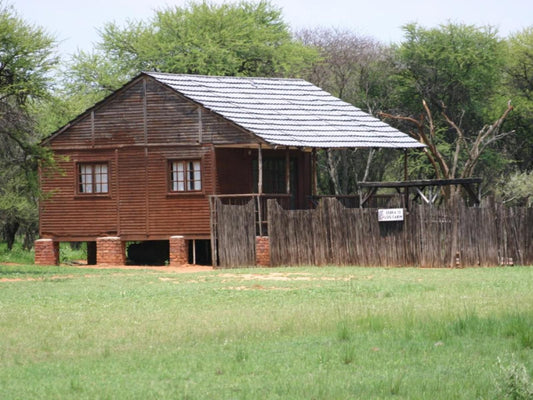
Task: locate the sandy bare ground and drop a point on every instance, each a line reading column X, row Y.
column 165, row 269
column 182, row 269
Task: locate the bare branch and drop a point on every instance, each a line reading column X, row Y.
column 460, row 140
column 487, row 135
column 430, row 119
column 436, row 159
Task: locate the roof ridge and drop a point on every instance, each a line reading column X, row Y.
column 151, row 73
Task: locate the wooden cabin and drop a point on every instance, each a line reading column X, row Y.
column 142, row 164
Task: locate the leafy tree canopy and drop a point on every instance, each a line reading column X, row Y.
column 26, row 59
column 247, row 39
column 519, row 87
column 455, row 65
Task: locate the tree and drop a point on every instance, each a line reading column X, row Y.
column 457, row 65
column 517, row 189
column 26, row 58
column 243, row 39
column 450, row 84
column 356, row 69
column 519, row 85
column 471, row 149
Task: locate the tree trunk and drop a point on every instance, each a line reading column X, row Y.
column 9, row 231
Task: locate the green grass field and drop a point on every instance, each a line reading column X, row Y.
column 293, row 333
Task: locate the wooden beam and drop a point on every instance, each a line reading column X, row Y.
column 145, row 113
column 313, row 172
column 259, row 188
column 213, row 219
column 92, row 129
column 421, row 183
column 200, row 125
column 146, row 191
column 287, row 171
column 405, row 178
column 117, row 190
column 259, row 170
column 368, row 195
column 405, row 169
column 419, row 193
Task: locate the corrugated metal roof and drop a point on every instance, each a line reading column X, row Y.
column 288, row 112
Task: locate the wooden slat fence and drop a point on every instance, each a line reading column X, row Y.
column 233, row 232
column 429, row 236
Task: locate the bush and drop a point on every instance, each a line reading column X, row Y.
column 514, row 382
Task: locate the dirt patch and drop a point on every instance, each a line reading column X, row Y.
column 48, row 278
column 274, row 276
column 179, row 270
column 183, row 269
column 257, row 287
column 279, row 276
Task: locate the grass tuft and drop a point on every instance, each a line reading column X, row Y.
column 348, row 353
column 514, row 382
column 343, row 330
column 396, row 384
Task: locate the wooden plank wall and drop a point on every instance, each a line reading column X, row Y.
column 136, row 131
column 63, row 213
column 331, row 234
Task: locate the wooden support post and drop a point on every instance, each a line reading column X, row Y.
column 313, row 173
column 259, row 170
column 287, row 171
column 406, row 178
column 260, row 188
column 92, row 129
column 405, row 170
column 145, row 114
column 213, row 203
column 259, row 215
column 200, row 126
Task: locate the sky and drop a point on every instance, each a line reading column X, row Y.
column 75, row 23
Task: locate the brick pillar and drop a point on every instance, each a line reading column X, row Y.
column 178, row 252
column 46, row 252
column 110, row 250
column 262, row 251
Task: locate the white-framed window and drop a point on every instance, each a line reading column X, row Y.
column 93, row 178
column 185, row 176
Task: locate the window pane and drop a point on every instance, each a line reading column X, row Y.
column 178, row 177
column 197, row 176
column 100, row 178
column 181, row 177
column 190, row 176
column 104, row 178
column 86, row 179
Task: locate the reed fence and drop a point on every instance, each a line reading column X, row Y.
column 428, row 236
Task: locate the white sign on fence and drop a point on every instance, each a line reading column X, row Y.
column 390, row 214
